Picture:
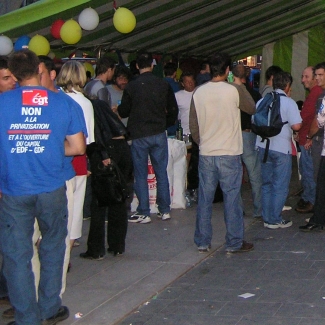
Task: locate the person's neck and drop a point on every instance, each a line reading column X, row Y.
column 219, row 78
column 116, row 87
column 34, row 81
column 149, row 69
column 102, row 77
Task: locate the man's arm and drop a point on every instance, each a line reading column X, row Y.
column 246, row 101
column 75, row 144
column 172, row 108
column 194, row 125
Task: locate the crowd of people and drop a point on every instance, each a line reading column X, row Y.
column 61, row 132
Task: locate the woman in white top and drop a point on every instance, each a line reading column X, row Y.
column 71, row 79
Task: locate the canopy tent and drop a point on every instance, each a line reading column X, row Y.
column 185, row 27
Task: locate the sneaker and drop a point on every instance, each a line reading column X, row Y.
column 307, row 220
column 139, row 218
column 286, row 208
column 282, row 224
column 163, row 216
column 265, row 224
column 61, row 315
column 88, row 256
column 204, row 249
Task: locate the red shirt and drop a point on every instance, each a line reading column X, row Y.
column 308, row 113
column 79, row 164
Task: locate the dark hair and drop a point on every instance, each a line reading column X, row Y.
column 239, row 71
column 271, row 71
column 204, row 65
column 133, row 68
column 3, row 62
column 144, row 60
column 170, row 68
column 48, row 62
column 103, row 64
column 319, row 66
column 88, row 74
column 186, row 74
column 23, row 64
column 281, row 80
column 122, row 71
column 219, row 63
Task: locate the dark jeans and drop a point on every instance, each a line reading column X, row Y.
column 319, row 208
column 116, row 213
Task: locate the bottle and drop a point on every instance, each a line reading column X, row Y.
column 179, row 131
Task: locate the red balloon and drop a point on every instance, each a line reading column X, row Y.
column 56, row 27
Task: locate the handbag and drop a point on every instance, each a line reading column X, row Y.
column 109, row 185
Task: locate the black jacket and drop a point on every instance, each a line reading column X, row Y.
column 150, row 104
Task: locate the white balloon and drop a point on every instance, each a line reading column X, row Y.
column 88, row 19
column 6, row 45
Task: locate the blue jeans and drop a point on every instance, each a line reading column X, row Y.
column 251, row 160
column 227, row 170
column 306, row 169
column 156, row 147
column 276, row 173
column 17, row 217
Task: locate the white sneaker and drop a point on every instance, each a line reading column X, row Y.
column 286, row 208
column 139, row 218
column 282, row 224
column 163, row 216
column 307, row 220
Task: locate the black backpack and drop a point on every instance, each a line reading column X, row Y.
column 267, row 121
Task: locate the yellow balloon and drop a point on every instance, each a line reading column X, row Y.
column 178, row 73
column 124, row 20
column 39, row 45
column 89, row 68
column 70, row 32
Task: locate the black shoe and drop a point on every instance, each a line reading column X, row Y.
column 87, row 256
column 116, row 253
column 311, row 227
column 62, row 314
column 301, row 203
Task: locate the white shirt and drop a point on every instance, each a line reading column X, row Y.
column 183, row 99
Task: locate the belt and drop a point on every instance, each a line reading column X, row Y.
column 247, row 130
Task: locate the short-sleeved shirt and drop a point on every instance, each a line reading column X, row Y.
column 289, row 113
column 34, row 123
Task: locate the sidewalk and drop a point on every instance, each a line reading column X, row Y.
column 162, row 279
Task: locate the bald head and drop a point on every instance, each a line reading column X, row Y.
column 307, row 78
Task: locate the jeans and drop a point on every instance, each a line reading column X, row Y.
column 307, row 175
column 319, row 208
column 276, row 173
column 227, row 170
column 157, row 148
column 17, row 217
column 251, row 160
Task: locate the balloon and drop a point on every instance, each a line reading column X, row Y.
column 124, row 20
column 22, row 43
column 89, row 68
column 178, row 73
column 56, row 27
column 39, row 45
column 6, row 45
column 88, row 19
column 71, row 32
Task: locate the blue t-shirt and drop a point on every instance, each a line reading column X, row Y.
column 34, row 123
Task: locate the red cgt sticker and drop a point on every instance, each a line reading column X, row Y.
column 35, row 97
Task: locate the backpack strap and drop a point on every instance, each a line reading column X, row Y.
column 266, row 149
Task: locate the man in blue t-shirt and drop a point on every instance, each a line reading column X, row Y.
column 38, row 128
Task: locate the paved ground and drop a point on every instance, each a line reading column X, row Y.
column 162, row 279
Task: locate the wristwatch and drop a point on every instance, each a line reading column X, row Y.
column 308, row 137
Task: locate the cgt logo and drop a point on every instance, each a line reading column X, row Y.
column 35, row 97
